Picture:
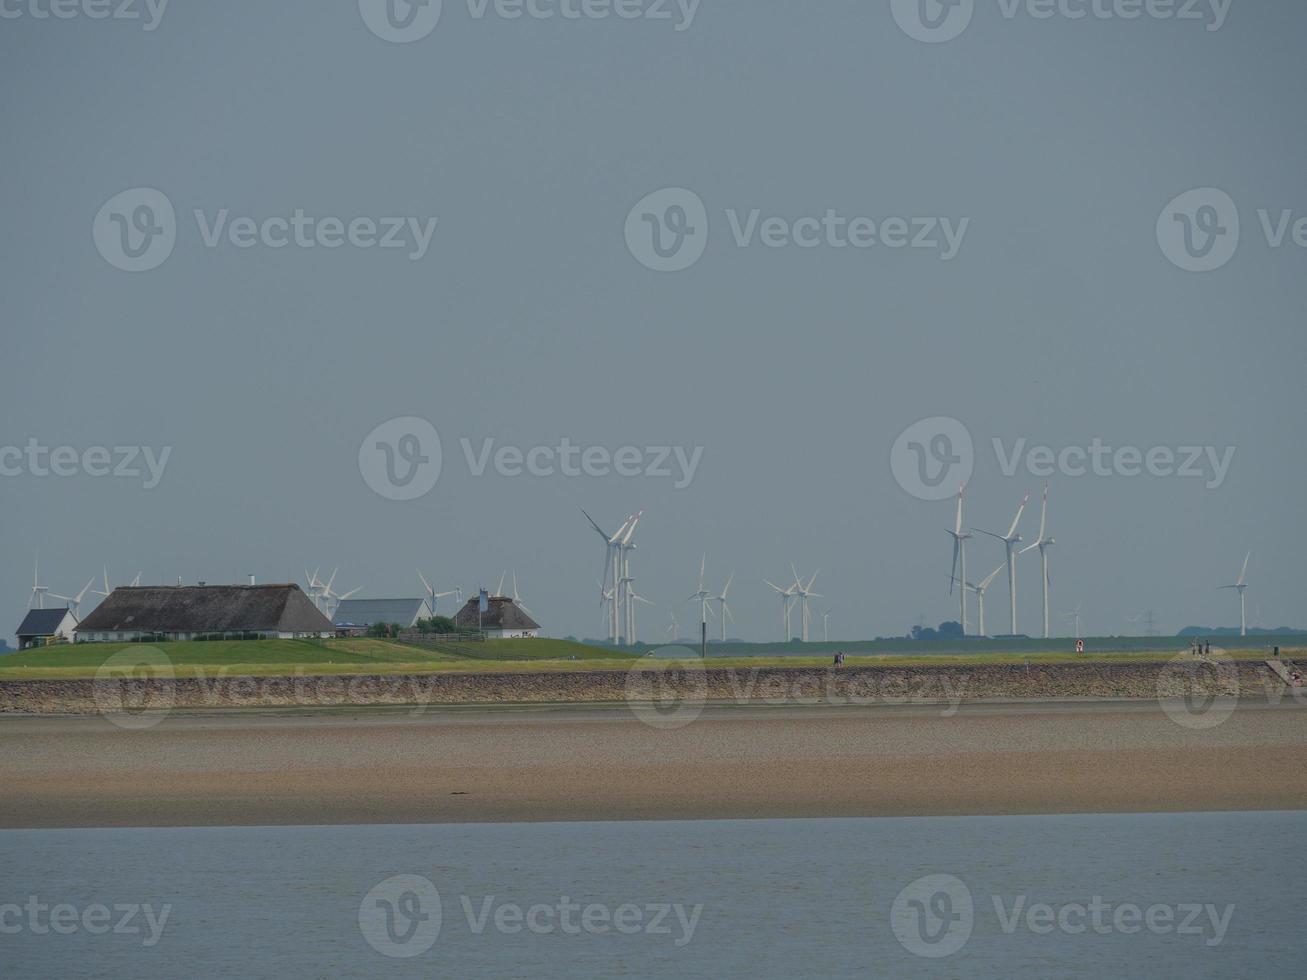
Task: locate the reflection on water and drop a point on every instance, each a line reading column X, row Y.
column 1109, row 895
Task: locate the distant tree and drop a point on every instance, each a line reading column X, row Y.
column 924, row 633
column 951, row 630
column 384, row 630
column 436, row 624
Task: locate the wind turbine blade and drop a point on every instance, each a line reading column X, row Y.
column 1017, row 520
column 425, row 584
column 626, row 538
column 499, row 589
column 981, row 530
column 602, row 533
column 702, row 563
column 776, row 587
column 1244, row 571
column 1029, row 547
column 812, row 580
column 952, row 577
column 727, row 587
column 1043, row 512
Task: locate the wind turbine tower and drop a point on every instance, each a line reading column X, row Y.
column 1042, row 543
column 959, row 573
column 1241, row 587
column 1010, row 541
column 702, row 596
column 725, row 609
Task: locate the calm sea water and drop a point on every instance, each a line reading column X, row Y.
column 1193, row 895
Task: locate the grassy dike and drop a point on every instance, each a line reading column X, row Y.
column 356, row 673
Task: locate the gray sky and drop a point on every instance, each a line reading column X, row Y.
column 1061, row 317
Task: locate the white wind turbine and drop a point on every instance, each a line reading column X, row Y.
column 825, row 626
column 1241, row 587
column 724, row 609
column 979, row 591
column 517, row 599
column 433, row 595
column 959, row 573
column 674, row 628
column 75, row 602
column 107, row 589
column 631, row 636
column 803, row 593
column 38, row 590
column 1010, row 541
column 702, row 596
column 612, row 573
column 330, row 599
column 626, row 592
column 1042, row 543
column 787, row 597
column 1073, row 617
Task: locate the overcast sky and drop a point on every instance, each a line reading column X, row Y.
column 1040, row 287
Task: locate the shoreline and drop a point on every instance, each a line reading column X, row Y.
column 550, row 763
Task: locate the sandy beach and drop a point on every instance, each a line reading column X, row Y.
column 452, row 765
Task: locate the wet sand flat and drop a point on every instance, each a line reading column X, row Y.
column 377, row 766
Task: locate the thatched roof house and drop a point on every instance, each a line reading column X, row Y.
column 186, row 612
column 503, row 619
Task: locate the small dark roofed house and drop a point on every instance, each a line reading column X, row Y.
column 187, row 612
column 42, row 626
column 504, row 619
column 356, row 615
